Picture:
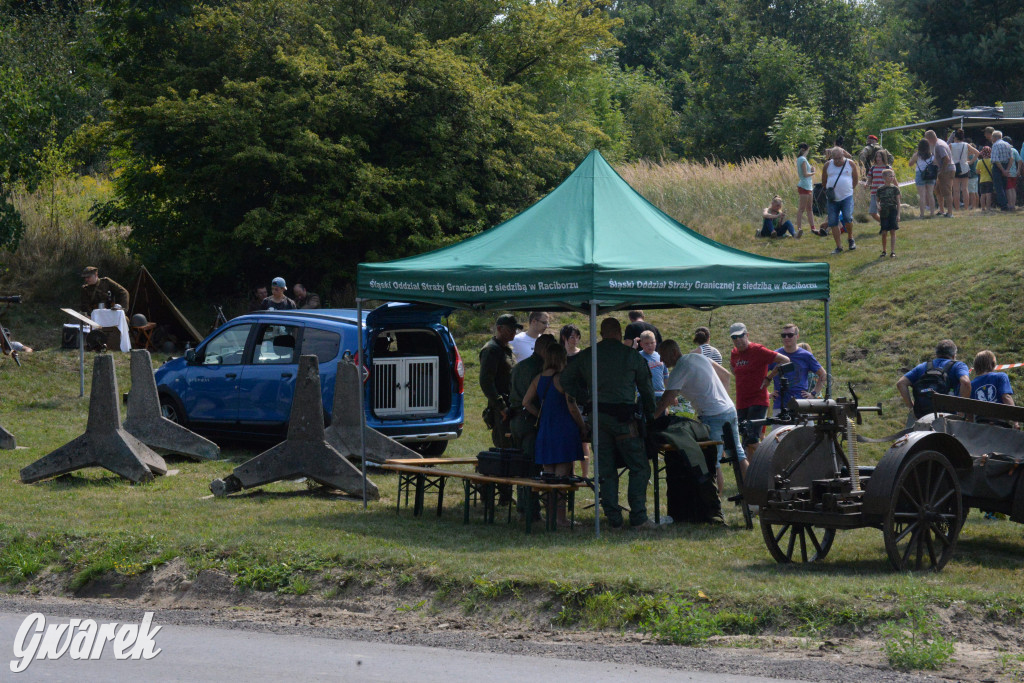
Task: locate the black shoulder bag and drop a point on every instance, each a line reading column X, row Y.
column 830, row 192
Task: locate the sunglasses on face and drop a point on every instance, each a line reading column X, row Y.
column 739, row 336
column 787, row 335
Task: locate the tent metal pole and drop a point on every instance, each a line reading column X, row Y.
column 593, row 418
column 828, row 353
column 360, row 359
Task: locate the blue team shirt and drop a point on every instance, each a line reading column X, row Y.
column 991, row 387
column 806, row 365
column 958, row 370
column 659, row 372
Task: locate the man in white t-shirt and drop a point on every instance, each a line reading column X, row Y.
column 522, row 345
column 702, row 382
column 840, row 176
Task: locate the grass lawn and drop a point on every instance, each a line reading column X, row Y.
column 958, row 278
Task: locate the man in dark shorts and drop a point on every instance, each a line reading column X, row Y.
column 750, row 363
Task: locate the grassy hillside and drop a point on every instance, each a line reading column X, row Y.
column 956, row 278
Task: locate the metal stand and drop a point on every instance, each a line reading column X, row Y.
column 305, row 453
column 104, row 444
column 594, row 419
column 146, row 422
column 361, row 358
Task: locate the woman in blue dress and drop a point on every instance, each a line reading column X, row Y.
column 559, row 423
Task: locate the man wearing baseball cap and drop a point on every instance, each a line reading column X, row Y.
column 496, row 378
column 750, row 363
column 98, row 290
column 277, row 301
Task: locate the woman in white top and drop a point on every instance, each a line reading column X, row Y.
column 963, row 153
column 925, row 187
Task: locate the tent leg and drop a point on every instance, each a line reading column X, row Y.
column 828, row 353
column 595, row 465
column 360, row 359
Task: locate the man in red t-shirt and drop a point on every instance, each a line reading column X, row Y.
column 750, row 363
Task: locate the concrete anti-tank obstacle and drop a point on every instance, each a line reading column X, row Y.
column 105, row 444
column 146, row 422
column 7, row 441
column 343, row 433
column 304, row 453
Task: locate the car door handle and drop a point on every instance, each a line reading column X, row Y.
column 231, row 375
column 286, row 374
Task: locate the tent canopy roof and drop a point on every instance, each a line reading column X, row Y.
column 593, row 238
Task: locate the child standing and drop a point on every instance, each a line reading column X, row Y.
column 879, row 165
column 659, row 371
column 889, row 200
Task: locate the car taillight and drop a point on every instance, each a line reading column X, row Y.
column 366, row 371
column 460, row 371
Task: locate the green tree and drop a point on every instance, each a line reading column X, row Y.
column 795, row 123
column 267, row 135
column 894, row 100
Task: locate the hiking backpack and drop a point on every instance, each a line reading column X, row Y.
column 934, row 380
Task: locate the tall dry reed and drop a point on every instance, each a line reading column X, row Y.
column 60, row 239
column 723, row 200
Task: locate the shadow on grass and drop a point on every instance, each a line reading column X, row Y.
column 992, row 553
column 73, row 481
column 319, row 492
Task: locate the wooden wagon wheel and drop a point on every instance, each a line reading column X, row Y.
column 792, row 542
column 925, row 513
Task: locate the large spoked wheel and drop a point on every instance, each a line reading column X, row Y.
column 789, row 542
column 925, row 514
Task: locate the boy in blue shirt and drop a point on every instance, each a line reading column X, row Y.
column 659, row 371
column 805, row 365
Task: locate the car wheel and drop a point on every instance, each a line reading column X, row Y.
column 172, row 410
column 430, row 449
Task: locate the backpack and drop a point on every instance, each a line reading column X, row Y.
column 934, row 380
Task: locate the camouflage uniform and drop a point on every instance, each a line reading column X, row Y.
column 495, row 381
column 106, row 292
column 621, row 372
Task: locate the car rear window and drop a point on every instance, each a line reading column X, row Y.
column 323, row 344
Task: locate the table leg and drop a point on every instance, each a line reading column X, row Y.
column 440, row 495
column 465, row 502
column 572, row 507
column 398, row 498
column 417, row 509
column 529, row 512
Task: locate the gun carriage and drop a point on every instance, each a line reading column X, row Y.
column 807, row 481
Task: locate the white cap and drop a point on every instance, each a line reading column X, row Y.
column 737, row 330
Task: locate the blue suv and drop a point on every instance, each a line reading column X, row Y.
column 240, row 380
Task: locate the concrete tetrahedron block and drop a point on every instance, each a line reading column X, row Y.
column 147, row 424
column 7, row 441
column 305, row 452
column 343, row 433
column 105, row 444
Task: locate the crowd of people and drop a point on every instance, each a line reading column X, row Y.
column 950, row 176
column 537, row 386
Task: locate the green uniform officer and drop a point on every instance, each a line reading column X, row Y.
column 621, row 372
column 98, row 290
column 524, row 425
column 496, row 377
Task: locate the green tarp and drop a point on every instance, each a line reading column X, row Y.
column 592, row 238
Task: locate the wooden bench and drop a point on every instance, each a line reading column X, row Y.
column 419, row 481
column 426, row 478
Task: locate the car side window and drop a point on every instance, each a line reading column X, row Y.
column 228, row 347
column 276, row 345
column 323, row 344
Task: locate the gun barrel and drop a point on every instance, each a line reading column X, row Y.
column 813, row 406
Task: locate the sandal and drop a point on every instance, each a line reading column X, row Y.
column 892, row 254
column 883, row 254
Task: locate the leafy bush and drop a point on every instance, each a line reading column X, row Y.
column 915, row 642
column 686, row 623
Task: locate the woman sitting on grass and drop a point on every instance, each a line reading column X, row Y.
column 559, row 423
column 774, row 222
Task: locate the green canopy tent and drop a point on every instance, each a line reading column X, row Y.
column 593, row 244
